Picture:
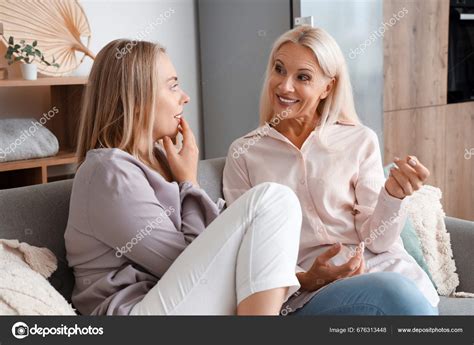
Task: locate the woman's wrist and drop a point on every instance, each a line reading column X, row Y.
column 390, row 194
column 304, row 281
column 308, row 282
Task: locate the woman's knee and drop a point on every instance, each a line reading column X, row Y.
column 399, row 295
column 277, row 207
column 277, row 197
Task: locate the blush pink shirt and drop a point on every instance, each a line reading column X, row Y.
column 342, row 194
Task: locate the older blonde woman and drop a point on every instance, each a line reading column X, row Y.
column 312, row 141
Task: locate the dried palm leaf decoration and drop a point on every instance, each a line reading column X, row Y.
column 59, row 26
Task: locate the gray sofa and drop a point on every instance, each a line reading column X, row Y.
column 38, row 215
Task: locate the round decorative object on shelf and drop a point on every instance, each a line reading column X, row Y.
column 60, row 27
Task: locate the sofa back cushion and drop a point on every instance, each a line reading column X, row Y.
column 38, row 215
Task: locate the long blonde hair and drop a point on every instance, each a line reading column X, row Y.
column 118, row 103
column 339, row 104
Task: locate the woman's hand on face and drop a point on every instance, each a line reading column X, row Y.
column 322, row 272
column 408, row 178
column 183, row 164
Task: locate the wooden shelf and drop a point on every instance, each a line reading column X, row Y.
column 44, row 81
column 62, row 158
column 65, row 94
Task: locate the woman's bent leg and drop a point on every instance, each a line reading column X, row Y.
column 251, row 247
column 381, row 293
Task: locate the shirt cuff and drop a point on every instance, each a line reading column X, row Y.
column 187, row 187
column 299, row 269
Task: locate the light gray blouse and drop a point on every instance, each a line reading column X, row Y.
column 126, row 226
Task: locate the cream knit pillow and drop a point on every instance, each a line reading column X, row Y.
column 24, row 289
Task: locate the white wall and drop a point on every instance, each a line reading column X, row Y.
column 111, row 19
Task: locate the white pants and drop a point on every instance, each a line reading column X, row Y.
column 251, row 247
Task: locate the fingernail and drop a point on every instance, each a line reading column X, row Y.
column 396, row 158
column 412, row 162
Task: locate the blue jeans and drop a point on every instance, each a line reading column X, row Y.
column 381, row 293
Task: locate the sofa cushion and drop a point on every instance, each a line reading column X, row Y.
column 38, row 215
column 462, row 238
column 210, row 173
column 412, row 245
column 456, row 306
column 23, row 287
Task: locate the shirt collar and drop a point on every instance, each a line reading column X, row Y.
column 267, row 130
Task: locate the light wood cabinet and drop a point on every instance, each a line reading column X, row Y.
column 419, row 132
column 65, row 95
column 417, row 118
column 415, row 53
column 439, row 136
column 459, row 188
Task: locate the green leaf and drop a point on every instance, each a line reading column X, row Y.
column 10, row 40
column 35, row 43
column 27, row 60
column 28, row 50
column 18, row 58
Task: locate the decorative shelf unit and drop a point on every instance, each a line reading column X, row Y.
column 65, row 95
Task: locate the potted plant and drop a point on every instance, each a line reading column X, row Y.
column 27, row 53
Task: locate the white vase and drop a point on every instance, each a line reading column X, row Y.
column 29, row 71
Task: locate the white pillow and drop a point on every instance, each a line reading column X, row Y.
column 24, row 289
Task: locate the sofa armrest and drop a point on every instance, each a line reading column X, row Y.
column 462, row 242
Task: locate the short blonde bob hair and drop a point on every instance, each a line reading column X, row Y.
column 339, row 104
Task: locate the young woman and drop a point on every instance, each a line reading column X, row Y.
column 318, row 148
column 142, row 237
